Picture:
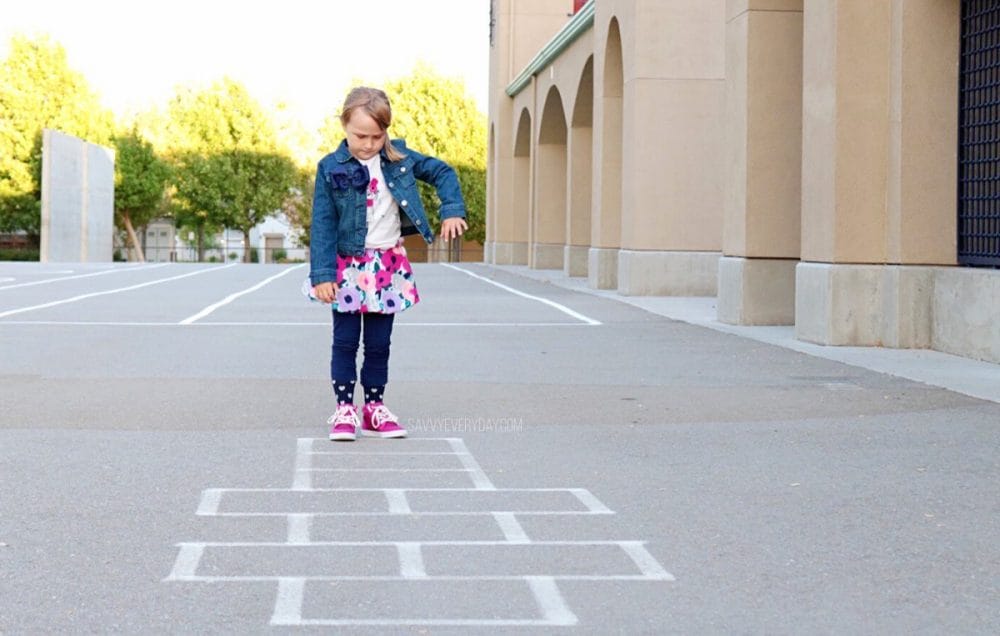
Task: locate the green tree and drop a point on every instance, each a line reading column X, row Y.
column 436, row 115
column 140, row 183
column 38, row 90
column 231, row 170
column 298, row 207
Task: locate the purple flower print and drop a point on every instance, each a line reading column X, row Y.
column 391, row 302
column 348, row 299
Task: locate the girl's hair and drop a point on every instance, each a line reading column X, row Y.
column 375, row 103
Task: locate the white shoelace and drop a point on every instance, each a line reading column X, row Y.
column 344, row 415
column 381, row 414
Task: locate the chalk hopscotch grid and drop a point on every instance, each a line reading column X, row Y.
column 552, row 606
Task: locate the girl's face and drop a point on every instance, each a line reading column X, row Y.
column 365, row 137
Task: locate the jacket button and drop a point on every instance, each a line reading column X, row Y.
column 403, row 169
column 403, row 203
column 392, row 185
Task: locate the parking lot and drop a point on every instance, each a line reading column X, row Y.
column 574, row 462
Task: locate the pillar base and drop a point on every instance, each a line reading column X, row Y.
column 508, row 253
column 546, row 256
column 864, row 305
column 756, row 291
column 602, row 267
column 964, row 307
column 575, row 260
column 648, row 273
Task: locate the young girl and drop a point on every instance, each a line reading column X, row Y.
column 365, row 201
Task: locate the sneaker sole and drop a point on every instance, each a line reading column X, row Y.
column 342, row 437
column 389, row 435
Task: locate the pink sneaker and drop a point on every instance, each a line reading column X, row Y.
column 380, row 422
column 344, row 424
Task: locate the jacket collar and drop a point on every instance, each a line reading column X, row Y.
column 343, row 155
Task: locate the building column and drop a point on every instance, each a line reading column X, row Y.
column 878, row 169
column 763, row 163
column 673, row 143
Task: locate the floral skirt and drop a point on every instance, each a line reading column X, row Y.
column 379, row 281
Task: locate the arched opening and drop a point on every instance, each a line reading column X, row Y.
column 519, row 220
column 580, row 177
column 548, row 238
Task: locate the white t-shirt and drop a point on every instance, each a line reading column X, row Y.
column 384, row 227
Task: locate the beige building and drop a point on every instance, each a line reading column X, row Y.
column 802, row 160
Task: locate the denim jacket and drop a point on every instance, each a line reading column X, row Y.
column 339, row 214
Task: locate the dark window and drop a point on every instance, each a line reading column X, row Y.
column 979, row 135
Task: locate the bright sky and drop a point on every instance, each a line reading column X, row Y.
column 302, row 52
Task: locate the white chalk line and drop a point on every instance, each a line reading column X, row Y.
column 386, row 470
column 512, row 530
column 396, row 499
column 632, row 548
column 479, row 478
column 231, row 297
column 288, row 605
column 291, row 589
column 574, row 491
column 108, row 292
column 303, row 465
column 416, row 513
column 407, row 453
column 411, row 559
column 262, row 578
column 299, row 529
column 551, row 303
column 550, row 601
column 116, row 270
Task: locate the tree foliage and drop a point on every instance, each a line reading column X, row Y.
column 38, row 90
column 140, row 182
column 437, row 116
column 230, row 169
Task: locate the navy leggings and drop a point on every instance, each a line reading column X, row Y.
column 347, row 331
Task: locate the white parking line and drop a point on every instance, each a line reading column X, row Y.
column 108, row 292
column 231, row 297
column 546, row 301
column 101, row 273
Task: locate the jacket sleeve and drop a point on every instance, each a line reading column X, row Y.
column 322, row 233
column 444, row 179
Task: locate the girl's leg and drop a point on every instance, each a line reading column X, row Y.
column 375, row 368
column 377, row 420
column 343, row 366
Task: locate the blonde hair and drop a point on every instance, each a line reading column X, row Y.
column 375, row 103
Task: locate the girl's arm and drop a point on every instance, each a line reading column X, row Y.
column 322, row 233
column 445, row 181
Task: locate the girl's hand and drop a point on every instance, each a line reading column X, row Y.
column 325, row 292
column 453, row 228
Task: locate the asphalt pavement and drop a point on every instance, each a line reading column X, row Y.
column 577, row 462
